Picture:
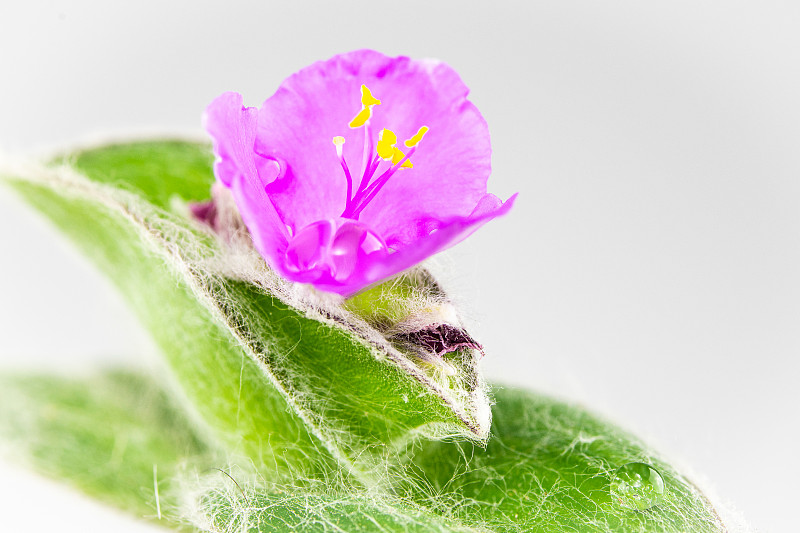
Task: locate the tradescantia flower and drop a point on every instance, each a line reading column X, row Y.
column 357, row 168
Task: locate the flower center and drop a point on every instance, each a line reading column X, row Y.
column 386, row 151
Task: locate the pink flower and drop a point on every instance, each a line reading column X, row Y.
column 357, row 168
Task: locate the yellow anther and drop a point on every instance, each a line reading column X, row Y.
column 388, row 136
column 366, row 97
column 362, row 118
column 398, row 156
column 386, row 141
column 413, row 141
column 385, row 150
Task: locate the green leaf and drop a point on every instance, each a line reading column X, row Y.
column 118, row 436
column 548, row 467
column 115, row 436
column 215, row 375
column 158, row 172
column 300, row 382
column 280, row 509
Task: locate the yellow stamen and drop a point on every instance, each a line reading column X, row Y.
column 386, row 141
column 398, row 156
column 385, row 151
column 413, row 141
column 389, row 136
column 362, row 118
column 366, row 97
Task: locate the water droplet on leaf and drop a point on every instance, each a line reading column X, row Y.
column 637, row 486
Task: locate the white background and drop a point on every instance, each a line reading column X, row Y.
column 649, row 269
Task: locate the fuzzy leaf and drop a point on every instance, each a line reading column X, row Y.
column 280, row 379
column 287, row 509
column 215, row 375
column 547, row 468
column 111, row 436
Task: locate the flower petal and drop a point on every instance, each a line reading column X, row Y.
column 452, row 163
column 291, row 187
column 296, row 125
column 233, row 130
column 378, row 265
column 448, row 233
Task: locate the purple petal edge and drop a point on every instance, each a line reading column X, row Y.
column 232, row 127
